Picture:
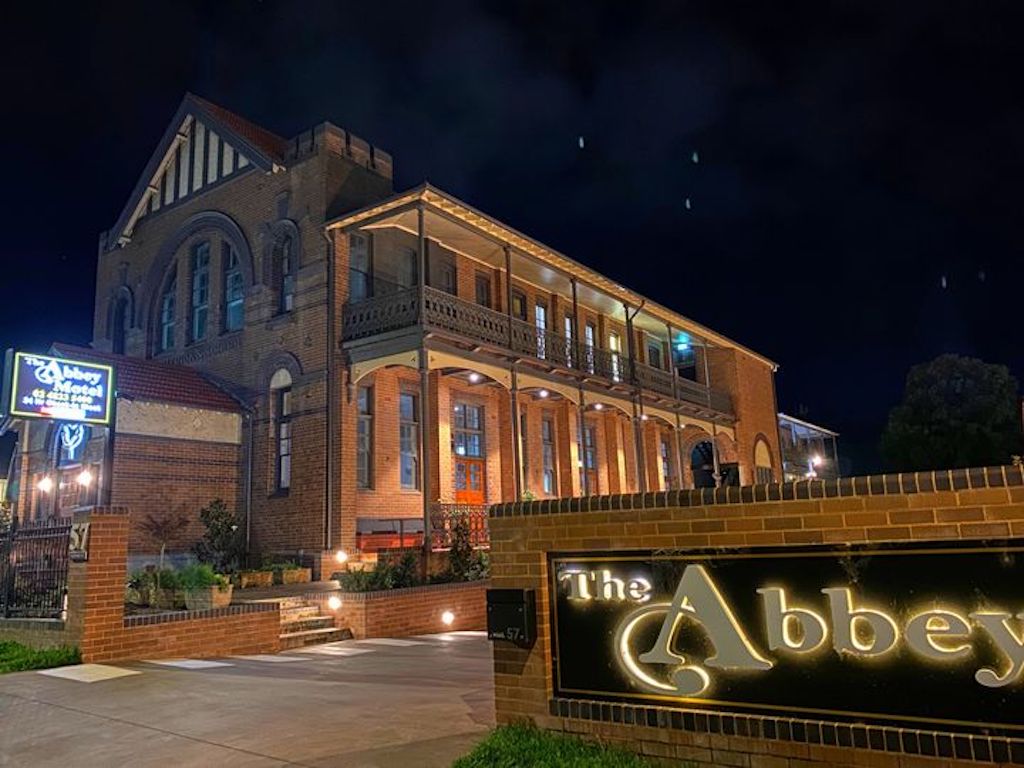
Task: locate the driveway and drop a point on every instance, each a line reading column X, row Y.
column 412, row 703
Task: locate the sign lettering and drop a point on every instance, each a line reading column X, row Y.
column 46, row 387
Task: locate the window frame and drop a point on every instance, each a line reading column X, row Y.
column 364, row 437
column 549, row 456
column 285, row 263
column 482, row 280
column 232, row 273
column 199, row 292
column 461, row 428
column 283, row 437
column 168, row 314
column 365, row 276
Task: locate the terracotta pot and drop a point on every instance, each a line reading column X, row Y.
column 297, row 576
column 248, row 579
column 204, row 598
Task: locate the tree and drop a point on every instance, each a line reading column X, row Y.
column 162, row 528
column 223, row 545
column 956, row 412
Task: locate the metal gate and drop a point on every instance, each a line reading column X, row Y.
column 34, row 569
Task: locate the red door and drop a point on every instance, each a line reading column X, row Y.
column 469, row 480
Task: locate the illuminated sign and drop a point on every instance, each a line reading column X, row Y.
column 45, row 387
column 892, row 635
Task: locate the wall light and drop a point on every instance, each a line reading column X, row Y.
column 475, row 378
column 643, row 417
column 816, row 460
column 341, row 556
column 598, row 406
column 46, row 484
column 84, row 478
column 334, row 602
column 447, row 618
column 543, row 393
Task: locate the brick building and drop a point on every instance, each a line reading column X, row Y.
column 386, row 355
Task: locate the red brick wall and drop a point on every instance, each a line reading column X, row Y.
column 160, row 476
column 988, row 504
column 96, row 609
column 414, row 611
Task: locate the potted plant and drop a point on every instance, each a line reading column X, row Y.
column 253, row 578
column 204, row 588
column 292, row 573
column 165, row 589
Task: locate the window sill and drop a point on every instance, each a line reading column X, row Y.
column 280, row 494
column 281, row 318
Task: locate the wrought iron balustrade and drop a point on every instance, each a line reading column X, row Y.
column 654, row 379
column 446, row 518
column 34, row 569
column 380, row 314
column 444, row 311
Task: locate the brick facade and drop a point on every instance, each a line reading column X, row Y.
column 976, row 504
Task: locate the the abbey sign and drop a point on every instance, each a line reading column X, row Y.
column 925, row 636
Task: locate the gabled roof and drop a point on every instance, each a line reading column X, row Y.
column 138, row 379
column 248, row 143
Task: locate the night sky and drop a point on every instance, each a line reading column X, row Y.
column 855, row 207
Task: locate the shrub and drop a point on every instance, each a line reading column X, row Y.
column 513, row 746
column 384, row 575
column 222, row 546
column 464, row 562
column 15, row 657
column 201, row 575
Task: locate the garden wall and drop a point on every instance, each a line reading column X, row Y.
column 413, row 611
column 948, row 506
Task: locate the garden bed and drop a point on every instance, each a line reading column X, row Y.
column 15, row 657
column 422, row 610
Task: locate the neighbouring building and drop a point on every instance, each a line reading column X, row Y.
column 808, row 451
column 338, row 361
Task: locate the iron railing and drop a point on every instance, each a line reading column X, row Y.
column 441, row 311
column 34, row 569
column 445, row 517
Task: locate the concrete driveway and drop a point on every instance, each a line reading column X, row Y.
column 412, row 703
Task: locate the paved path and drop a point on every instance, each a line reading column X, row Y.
column 357, row 704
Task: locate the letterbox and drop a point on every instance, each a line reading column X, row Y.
column 512, row 616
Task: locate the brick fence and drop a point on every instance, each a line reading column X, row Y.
column 414, row 611
column 96, row 620
column 974, row 504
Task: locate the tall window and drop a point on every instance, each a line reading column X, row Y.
column 568, row 339
column 283, row 437
column 286, row 270
column 654, row 353
column 483, row 290
column 200, row 290
column 518, row 305
column 590, row 459
column 468, row 430
column 409, row 440
column 364, row 438
column 590, row 332
column 119, row 322
column 359, row 277
column 666, row 464
column 615, row 345
column 234, row 289
column 547, row 441
column 540, row 317
column 167, row 311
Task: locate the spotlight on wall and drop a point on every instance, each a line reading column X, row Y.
column 46, row 484
column 334, row 602
column 643, row 417
column 341, row 556
column 447, row 618
column 84, row 478
column 543, row 393
column 475, row 378
column 598, row 406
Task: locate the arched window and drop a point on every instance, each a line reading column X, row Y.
column 281, row 405
column 763, row 472
column 119, row 324
column 234, row 289
column 285, row 259
column 168, row 300
column 200, row 290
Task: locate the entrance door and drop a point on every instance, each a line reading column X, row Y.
column 468, row 453
column 469, row 481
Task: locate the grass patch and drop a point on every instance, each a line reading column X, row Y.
column 15, row 657
column 521, row 746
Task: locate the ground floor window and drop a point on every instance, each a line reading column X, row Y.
column 547, row 438
column 589, row 478
column 667, row 473
column 283, row 431
column 409, row 440
column 364, row 438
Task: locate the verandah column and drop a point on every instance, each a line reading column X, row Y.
column 424, row 409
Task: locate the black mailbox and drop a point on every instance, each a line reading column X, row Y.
column 512, row 616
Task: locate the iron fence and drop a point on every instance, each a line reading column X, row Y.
column 444, row 518
column 34, row 569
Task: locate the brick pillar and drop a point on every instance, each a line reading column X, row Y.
column 506, row 447
column 613, row 451
column 439, row 441
column 567, row 428
column 96, row 586
column 652, row 454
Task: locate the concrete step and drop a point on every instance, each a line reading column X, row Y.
column 306, row 637
column 299, row 612
column 306, row 622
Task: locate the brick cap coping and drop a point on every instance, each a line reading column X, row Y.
column 867, row 485
column 877, row 738
column 24, row 622
column 383, row 594
column 169, row 617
